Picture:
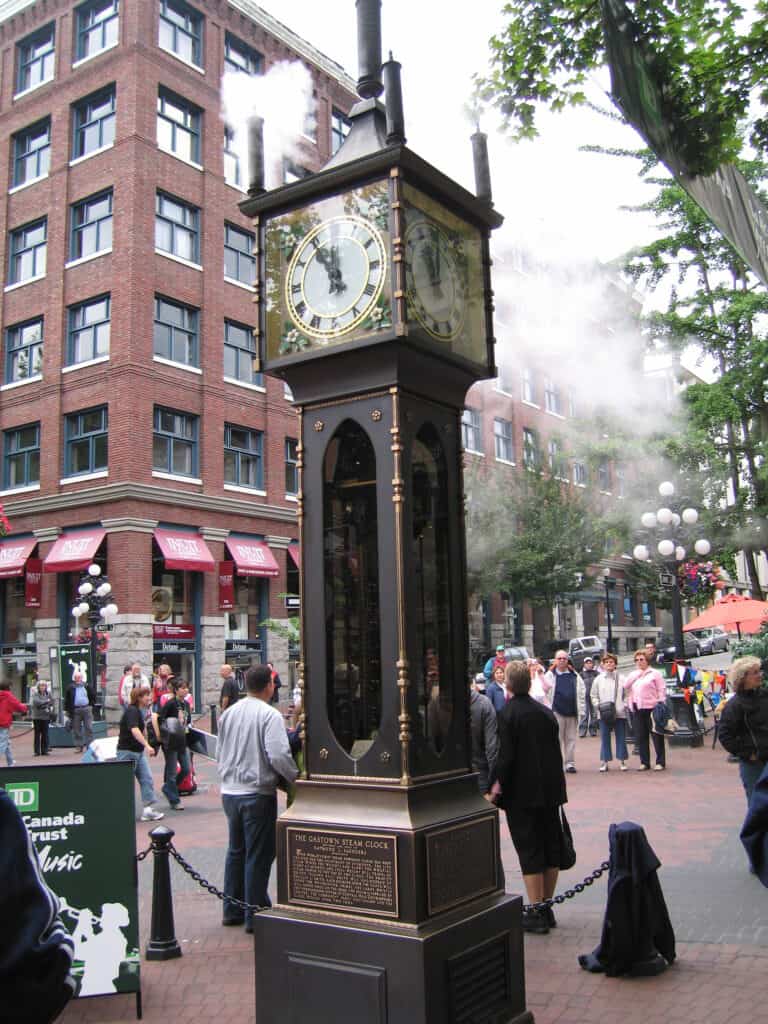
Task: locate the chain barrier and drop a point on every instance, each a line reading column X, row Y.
column 205, row 884
column 144, row 853
column 569, row 893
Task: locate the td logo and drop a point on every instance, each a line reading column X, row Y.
column 25, row 795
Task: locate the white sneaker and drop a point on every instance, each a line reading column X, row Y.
column 658, row 767
column 623, row 767
column 603, row 766
column 150, row 814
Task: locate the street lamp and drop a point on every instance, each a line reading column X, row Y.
column 673, row 528
column 609, row 583
column 97, row 602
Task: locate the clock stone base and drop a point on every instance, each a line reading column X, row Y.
column 465, row 969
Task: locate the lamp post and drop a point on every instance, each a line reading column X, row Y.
column 97, row 602
column 609, row 582
column 674, row 528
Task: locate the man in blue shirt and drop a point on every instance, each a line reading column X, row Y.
column 78, row 704
column 566, row 687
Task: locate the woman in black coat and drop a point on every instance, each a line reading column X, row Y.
column 530, row 773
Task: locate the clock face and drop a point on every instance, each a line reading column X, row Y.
column 335, row 277
column 435, row 280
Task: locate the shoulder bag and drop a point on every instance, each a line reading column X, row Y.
column 567, row 849
column 607, row 708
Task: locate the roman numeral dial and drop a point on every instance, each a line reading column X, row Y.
column 435, row 279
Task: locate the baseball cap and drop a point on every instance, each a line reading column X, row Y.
column 479, row 677
column 499, row 647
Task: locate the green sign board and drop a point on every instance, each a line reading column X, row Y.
column 75, row 658
column 81, row 821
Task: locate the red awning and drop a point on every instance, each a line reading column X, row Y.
column 14, row 554
column 183, row 550
column 295, row 552
column 252, row 557
column 74, row 550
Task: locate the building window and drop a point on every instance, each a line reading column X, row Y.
column 604, row 476
column 91, row 226
column 239, row 261
column 556, row 461
column 629, row 602
column 233, row 171
column 24, row 351
column 291, row 465
column 177, row 228
column 176, row 332
column 32, row 153
column 243, row 457
column 239, row 353
column 89, row 325
column 94, row 123
column 181, row 31
column 21, row 465
column 502, row 439
column 551, row 396
column 580, row 474
column 174, row 442
column 178, row 127
column 572, row 404
column 27, row 252
column 85, row 442
column 528, row 386
column 504, row 381
column 36, row 56
column 530, row 449
column 471, row 431
column 97, row 27
column 340, row 125
column 293, row 171
column 240, row 57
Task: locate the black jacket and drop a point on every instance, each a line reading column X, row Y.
column 530, row 765
column 69, row 698
column 754, row 831
column 637, row 934
column 744, row 724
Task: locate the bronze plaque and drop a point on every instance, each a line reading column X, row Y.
column 461, row 863
column 354, row 872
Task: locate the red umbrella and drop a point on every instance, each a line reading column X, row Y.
column 732, row 610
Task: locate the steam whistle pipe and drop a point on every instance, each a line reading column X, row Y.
column 162, row 943
column 393, row 101
column 482, row 167
column 256, row 155
column 369, row 84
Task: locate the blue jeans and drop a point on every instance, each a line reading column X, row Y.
column 5, row 746
column 142, row 773
column 620, row 728
column 174, row 759
column 750, row 772
column 250, row 852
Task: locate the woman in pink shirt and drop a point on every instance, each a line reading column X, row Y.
column 645, row 689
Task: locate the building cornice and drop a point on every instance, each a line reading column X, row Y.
column 147, row 493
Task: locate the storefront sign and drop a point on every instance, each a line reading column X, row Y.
column 252, row 557
column 174, row 646
column 226, row 586
column 87, row 848
column 21, row 652
column 243, row 647
column 73, row 550
column 183, row 550
column 33, row 583
column 13, row 555
column 181, row 631
column 292, row 602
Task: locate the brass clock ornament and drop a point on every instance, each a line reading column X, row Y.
column 335, row 277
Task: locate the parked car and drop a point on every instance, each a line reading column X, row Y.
column 712, row 639
column 666, row 646
column 582, row 647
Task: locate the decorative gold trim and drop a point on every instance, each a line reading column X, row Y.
column 385, row 781
column 302, row 679
column 318, row 426
column 398, row 252
column 376, row 415
column 398, row 499
column 315, row 914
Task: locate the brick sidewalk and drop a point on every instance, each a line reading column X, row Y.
column 691, row 814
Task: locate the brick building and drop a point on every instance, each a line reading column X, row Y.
column 135, row 428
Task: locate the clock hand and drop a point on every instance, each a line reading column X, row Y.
column 335, row 280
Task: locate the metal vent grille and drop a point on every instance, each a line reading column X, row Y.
column 479, row 983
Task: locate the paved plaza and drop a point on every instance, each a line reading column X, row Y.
column 691, row 814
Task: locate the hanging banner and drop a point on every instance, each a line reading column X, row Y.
column 33, row 583
column 87, row 849
column 226, row 586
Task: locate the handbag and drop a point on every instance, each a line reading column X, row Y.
column 172, row 733
column 607, row 708
column 567, row 849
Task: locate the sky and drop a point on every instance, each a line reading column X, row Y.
column 557, row 202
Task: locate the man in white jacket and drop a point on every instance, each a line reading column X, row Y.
column 567, row 692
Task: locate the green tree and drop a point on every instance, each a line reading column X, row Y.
column 707, row 57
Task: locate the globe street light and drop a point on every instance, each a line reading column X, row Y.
column 97, row 602
column 672, row 528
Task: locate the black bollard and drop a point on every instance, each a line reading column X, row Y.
column 214, row 721
column 162, row 943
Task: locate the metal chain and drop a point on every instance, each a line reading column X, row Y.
column 144, row 853
column 569, row 893
column 205, row 884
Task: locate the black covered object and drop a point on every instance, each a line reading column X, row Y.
column 754, row 831
column 637, row 934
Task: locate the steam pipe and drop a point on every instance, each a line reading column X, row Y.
column 256, row 155
column 393, row 101
column 482, row 167
column 369, row 84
